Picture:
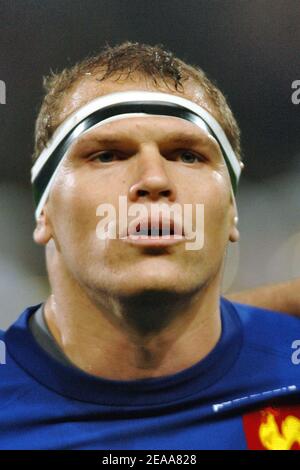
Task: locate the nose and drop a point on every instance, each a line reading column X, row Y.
column 152, row 180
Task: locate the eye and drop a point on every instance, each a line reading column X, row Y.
column 105, row 157
column 190, row 157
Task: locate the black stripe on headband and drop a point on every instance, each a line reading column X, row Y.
column 156, row 108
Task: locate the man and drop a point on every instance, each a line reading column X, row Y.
column 134, row 349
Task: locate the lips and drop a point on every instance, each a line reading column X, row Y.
column 155, row 227
column 155, row 231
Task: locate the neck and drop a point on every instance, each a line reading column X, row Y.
column 149, row 334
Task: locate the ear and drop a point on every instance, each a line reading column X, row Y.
column 42, row 232
column 234, row 234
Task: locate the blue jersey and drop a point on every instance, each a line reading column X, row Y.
column 243, row 395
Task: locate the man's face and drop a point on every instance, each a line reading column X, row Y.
column 150, row 160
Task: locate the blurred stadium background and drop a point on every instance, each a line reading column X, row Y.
column 252, row 50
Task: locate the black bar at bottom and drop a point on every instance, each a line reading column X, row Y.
column 137, row 458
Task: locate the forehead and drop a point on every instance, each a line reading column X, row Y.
column 147, row 127
column 90, row 87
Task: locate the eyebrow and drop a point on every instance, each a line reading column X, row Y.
column 176, row 139
column 103, row 140
column 190, row 139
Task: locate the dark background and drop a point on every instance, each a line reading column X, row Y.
column 252, row 50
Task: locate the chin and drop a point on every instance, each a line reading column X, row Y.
column 144, row 276
column 159, row 283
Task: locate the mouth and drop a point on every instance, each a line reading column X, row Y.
column 154, row 232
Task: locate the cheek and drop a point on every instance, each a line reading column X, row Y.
column 210, row 187
column 219, row 196
column 72, row 208
column 74, row 200
column 213, row 191
column 217, row 212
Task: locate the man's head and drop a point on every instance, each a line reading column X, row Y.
column 152, row 160
column 159, row 68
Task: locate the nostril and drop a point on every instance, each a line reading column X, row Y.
column 142, row 192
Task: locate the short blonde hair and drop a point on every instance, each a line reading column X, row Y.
column 151, row 61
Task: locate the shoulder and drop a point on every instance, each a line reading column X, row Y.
column 14, row 380
column 15, row 337
column 267, row 329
